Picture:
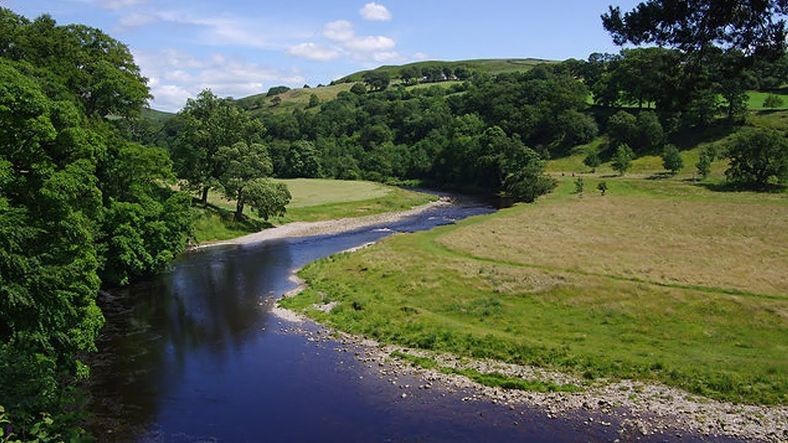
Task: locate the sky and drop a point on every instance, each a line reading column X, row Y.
column 243, row 47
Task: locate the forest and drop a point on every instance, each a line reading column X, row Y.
column 95, row 196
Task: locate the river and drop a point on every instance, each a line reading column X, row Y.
column 196, row 355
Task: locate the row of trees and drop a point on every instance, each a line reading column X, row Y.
column 80, row 206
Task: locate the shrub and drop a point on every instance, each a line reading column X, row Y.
column 757, row 157
column 671, row 159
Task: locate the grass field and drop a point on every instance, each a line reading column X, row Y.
column 660, row 280
column 313, row 200
column 756, row 100
column 293, row 99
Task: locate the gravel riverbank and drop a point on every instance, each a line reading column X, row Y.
column 640, row 410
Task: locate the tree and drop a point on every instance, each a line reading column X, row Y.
column 622, row 159
column 773, row 101
column 579, row 185
column 757, row 157
column 671, row 159
column 267, row 197
column 410, row 75
column 240, row 164
column 622, row 128
column 377, row 80
column 526, row 179
column 754, row 27
column 650, row 135
column 576, row 128
column 314, row 101
column 358, row 89
column 276, row 90
column 703, row 167
column 209, row 123
column 592, row 160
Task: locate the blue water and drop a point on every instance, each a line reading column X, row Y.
column 196, row 356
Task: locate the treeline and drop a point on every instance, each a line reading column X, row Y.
column 81, row 207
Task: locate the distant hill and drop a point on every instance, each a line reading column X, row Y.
column 299, row 98
column 489, row 66
column 156, row 115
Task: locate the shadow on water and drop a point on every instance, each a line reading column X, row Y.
column 196, row 355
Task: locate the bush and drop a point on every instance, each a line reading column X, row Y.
column 773, row 101
column 671, row 159
column 757, row 157
column 705, row 160
column 622, row 160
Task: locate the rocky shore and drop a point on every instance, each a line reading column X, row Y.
column 639, row 410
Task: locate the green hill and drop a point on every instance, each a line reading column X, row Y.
column 489, row 66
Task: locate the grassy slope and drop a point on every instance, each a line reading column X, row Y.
column 662, row 279
column 491, row 66
column 293, row 99
column 313, row 200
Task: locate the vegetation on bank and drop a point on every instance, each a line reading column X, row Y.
column 313, row 200
column 621, row 285
column 492, row 379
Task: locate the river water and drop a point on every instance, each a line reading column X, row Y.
column 196, row 355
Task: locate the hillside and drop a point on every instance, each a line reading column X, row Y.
column 489, row 66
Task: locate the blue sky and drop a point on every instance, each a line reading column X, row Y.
column 243, row 47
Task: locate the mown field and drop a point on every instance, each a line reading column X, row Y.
column 662, row 279
column 313, row 200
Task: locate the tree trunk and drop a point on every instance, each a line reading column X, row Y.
column 204, row 198
column 239, row 207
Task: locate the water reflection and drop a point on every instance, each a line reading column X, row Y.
column 196, row 355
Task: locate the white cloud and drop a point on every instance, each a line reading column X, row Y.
column 370, row 43
column 375, row 12
column 339, row 31
column 313, row 51
column 345, row 42
column 119, row 4
column 176, row 76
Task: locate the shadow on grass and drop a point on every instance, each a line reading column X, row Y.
column 771, row 188
column 228, row 219
column 660, row 176
column 692, row 137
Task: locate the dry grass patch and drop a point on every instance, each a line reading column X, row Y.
column 727, row 245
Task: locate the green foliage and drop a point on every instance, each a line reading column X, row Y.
column 622, row 159
column 239, row 165
column 757, row 27
column 209, row 123
column 358, row 89
column 314, row 101
column 671, row 159
column 377, row 80
column 80, row 206
column 592, row 160
column 705, row 159
column 773, row 101
column 276, row 90
column 579, row 185
column 268, row 198
column 757, row 158
column 602, row 188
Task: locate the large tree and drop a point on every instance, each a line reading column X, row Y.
column 209, row 123
column 753, row 27
column 240, row 164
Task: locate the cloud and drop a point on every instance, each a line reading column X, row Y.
column 313, row 51
column 176, row 76
column 345, row 42
column 375, row 12
column 339, row 31
column 370, row 43
column 119, row 4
